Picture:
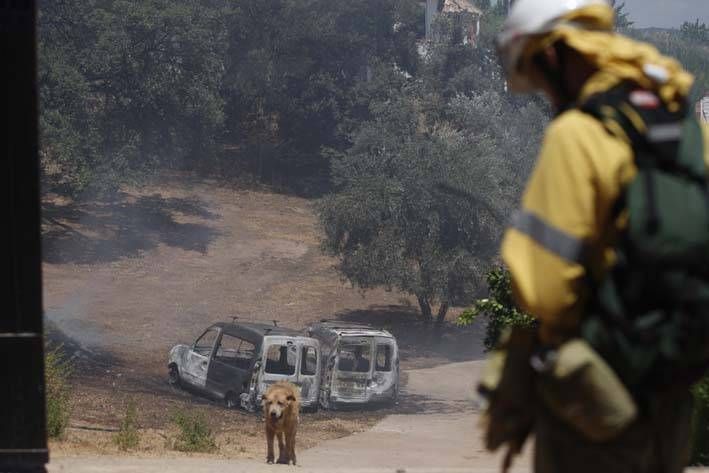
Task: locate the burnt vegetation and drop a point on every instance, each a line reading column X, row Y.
column 106, row 230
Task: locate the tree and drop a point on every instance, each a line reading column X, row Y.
column 126, row 87
column 498, row 308
column 622, row 17
column 422, row 194
column 692, row 54
column 293, row 66
column 695, row 32
column 393, row 222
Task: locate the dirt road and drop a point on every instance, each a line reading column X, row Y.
column 440, row 432
column 439, row 435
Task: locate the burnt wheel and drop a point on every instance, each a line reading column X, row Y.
column 173, row 375
column 231, row 400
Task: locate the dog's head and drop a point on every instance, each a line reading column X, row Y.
column 276, row 404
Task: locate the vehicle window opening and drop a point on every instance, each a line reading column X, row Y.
column 354, row 358
column 280, row 359
column 383, row 358
column 310, row 361
column 205, row 343
column 235, row 351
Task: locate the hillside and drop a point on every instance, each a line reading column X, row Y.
column 128, row 278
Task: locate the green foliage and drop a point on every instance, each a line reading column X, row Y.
column 128, row 436
column 695, row 32
column 499, row 308
column 126, row 87
column 292, row 70
column 58, row 392
column 194, row 433
column 266, row 87
column 622, row 18
column 691, row 53
column 421, row 194
column 700, row 423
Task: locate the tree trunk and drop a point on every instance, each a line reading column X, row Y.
column 425, row 306
column 260, row 160
column 442, row 311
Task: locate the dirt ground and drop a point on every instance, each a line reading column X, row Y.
column 128, row 277
column 237, row 435
column 436, row 429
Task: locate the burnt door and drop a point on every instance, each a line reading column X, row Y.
column 353, row 370
column 309, row 372
column 385, row 381
column 292, row 359
column 198, row 358
column 280, row 359
column 231, row 365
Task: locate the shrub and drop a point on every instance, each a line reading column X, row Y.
column 58, row 390
column 128, row 436
column 194, row 435
column 700, row 423
column 499, row 309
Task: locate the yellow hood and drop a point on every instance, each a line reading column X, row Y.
column 618, row 58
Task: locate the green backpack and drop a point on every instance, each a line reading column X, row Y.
column 649, row 318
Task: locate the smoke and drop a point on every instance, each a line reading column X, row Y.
column 94, row 253
column 72, row 319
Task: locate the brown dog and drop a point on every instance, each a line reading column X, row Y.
column 281, row 406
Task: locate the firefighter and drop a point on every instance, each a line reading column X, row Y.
column 562, row 240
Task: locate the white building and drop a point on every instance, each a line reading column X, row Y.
column 703, row 109
column 465, row 12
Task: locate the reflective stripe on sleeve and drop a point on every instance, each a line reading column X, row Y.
column 550, row 238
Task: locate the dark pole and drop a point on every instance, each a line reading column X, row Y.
column 23, row 444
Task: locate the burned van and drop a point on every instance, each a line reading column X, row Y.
column 236, row 362
column 360, row 364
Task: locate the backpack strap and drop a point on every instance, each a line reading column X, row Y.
column 640, row 118
column 647, row 315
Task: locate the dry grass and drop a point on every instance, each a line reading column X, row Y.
column 58, row 392
column 243, row 439
column 125, row 280
column 128, row 435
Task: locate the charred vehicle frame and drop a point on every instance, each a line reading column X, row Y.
column 236, row 362
column 360, row 364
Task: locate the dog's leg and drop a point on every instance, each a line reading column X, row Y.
column 290, row 442
column 282, row 452
column 269, row 444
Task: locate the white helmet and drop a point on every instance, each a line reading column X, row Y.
column 529, row 18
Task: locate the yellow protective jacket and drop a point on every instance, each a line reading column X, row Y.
column 565, row 223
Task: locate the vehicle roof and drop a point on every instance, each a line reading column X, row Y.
column 351, row 329
column 255, row 331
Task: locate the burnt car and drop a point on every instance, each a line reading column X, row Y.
column 236, row 362
column 360, row 364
